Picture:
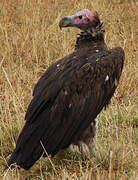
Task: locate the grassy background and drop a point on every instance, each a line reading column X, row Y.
column 30, row 40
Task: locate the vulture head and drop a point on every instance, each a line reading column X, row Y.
column 83, row 20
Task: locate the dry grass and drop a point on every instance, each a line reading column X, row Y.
column 30, row 40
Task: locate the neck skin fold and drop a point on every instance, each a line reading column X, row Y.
column 90, row 37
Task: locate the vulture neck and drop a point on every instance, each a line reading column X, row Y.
column 90, row 38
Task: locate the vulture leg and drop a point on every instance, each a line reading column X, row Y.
column 89, row 138
column 91, row 147
column 81, row 149
column 91, row 142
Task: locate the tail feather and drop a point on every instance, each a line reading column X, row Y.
column 13, row 159
column 26, row 161
column 28, row 148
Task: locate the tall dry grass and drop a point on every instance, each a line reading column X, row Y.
column 30, row 40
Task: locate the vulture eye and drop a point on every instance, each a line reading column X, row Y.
column 80, row 17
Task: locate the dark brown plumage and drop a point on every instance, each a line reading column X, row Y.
column 70, row 94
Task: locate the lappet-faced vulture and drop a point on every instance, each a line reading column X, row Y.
column 71, row 93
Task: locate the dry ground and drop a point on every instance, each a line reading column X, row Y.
column 30, row 40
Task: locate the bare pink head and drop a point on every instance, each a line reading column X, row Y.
column 84, row 20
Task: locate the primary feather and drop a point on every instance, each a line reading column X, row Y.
column 70, row 94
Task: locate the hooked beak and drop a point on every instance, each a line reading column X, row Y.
column 66, row 22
